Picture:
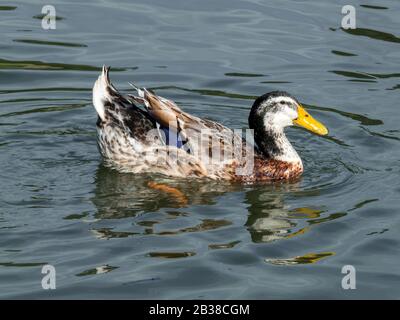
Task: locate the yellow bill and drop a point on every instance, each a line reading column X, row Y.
column 305, row 120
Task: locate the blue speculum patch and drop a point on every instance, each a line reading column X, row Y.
column 172, row 138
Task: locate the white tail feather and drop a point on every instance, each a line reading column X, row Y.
column 100, row 93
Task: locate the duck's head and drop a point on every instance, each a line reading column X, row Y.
column 274, row 111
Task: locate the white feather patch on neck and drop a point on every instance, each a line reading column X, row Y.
column 289, row 154
column 275, row 122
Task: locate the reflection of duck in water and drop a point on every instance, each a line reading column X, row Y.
column 123, row 135
column 118, row 196
column 269, row 217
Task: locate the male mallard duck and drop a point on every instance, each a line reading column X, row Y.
column 161, row 138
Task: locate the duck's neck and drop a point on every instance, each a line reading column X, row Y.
column 274, row 145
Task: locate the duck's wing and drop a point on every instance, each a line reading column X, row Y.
column 204, row 138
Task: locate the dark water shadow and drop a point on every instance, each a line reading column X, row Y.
column 343, row 53
column 364, row 120
column 7, row 8
column 373, row 34
column 51, row 43
column 369, row 6
column 48, row 66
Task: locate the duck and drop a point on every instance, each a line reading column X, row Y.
column 146, row 133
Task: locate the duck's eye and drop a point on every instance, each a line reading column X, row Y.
column 282, row 102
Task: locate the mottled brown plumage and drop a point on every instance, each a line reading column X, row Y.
column 271, row 170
